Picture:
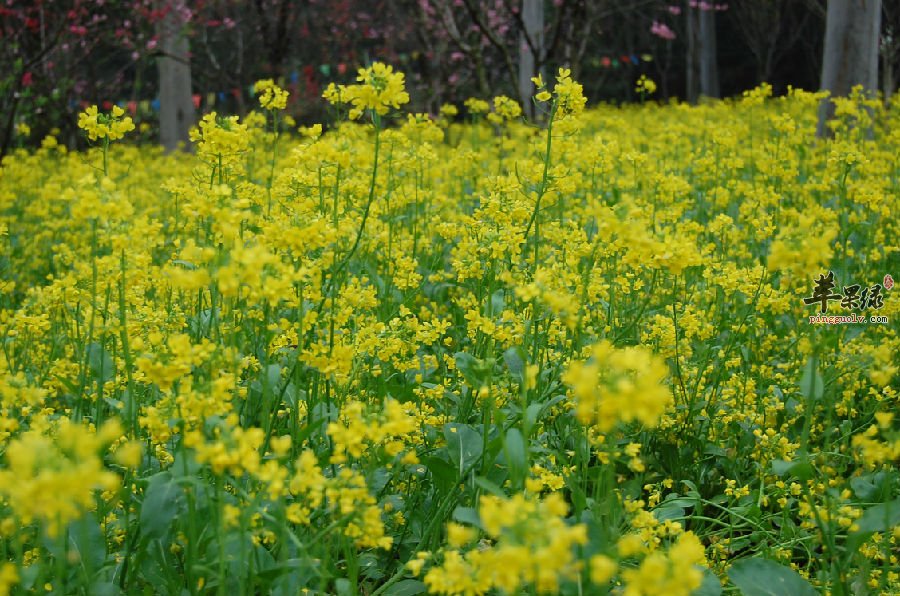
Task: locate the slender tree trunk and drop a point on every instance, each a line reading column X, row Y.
column 709, row 65
column 850, row 56
column 702, row 64
column 533, row 19
column 888, row 83
column 176, row 109
column 692, row 87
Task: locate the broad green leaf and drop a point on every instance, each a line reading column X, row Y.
column 668, row 511
column 475, row 371
column 811, row 385
column 442, row 472
column 880, row 518
column 87, row 545
column 498, row 303
column 762, row 577
column 711, row 585
column 489, row 486
column 163, row 502
column 516, row 457
column 466, row 363
column 100, row 362
column 514, row 358
column 867, row 487
column 532, row 413
column 273, row 376
column 802, row 470
column 343, row 587
column 467, row 515
column 464, row 445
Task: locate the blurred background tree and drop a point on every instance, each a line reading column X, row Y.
column 57, row 56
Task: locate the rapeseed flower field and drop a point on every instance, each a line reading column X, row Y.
column 633, row 350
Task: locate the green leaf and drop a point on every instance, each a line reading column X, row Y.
column 272, row 377
column 711, row 585
column 163, row 502
column 87, row 545
column 867, row 487
column 802, row 470
column 811, row 385
column 762, row 577
column 100, row 362
column 442, row 472
column 406, row 587
column 343, row 587
column 579, row 497
column 514, row 358
column 880, row 518
column 464, row 445
column 532, row 413
column 668, row 511
column 307, row 431
column 467, row 515
column 466, row 364
column 475, row 371
column 489, row 486
column 516, row 457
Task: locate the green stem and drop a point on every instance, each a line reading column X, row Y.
column 126, row 350
column 543, row 189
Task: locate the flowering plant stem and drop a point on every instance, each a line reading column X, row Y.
column 534, row 221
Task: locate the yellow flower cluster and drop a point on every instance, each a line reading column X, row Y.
column 356, row 432
column 53, row 479
column 111, row 126
column 531, row 545
column 477, row 106
column 568, row 96
column 619, row 385
column 645, row 86
column 451, row 348
column 505, row 109
column 674, row 572
column 220, row 139
column 379, row 88
column 271, row 96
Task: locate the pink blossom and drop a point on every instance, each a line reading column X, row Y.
column 662, row 30
column 426, row 8
column 674, row 10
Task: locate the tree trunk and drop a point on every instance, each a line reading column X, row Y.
column 691, row 86
column 889, row 84
column 850, row 56
column 176, row 108
column 709, row 65
column 702, row 64
column 533, row 20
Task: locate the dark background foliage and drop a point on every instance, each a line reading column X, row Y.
column 57, row 56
